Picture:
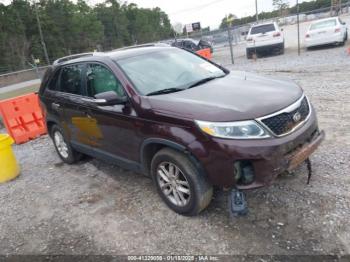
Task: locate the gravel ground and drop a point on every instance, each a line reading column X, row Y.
column 96, row 208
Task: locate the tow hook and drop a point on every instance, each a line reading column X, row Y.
column 237, row 203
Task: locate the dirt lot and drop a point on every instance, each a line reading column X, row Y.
column 97, row 208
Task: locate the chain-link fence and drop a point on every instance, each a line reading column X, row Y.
column 235, row 37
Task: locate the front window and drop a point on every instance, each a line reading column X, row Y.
column 323, row 24
column 168, row 68
column 99, row 79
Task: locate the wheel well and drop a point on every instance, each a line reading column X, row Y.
column 148, row 153
column 149, row 150
column 49, row 125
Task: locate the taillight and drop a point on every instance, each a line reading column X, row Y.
column 277, row 34
column 307, row 35
column 337, row 30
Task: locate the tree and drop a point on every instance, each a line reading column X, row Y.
column 73, row 27
column 228, row 19
column 178, row 28
column 281, row 5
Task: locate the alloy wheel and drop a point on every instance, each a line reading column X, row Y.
column 173, row 184
column 61, row 145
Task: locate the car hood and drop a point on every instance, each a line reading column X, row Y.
column 237, row 96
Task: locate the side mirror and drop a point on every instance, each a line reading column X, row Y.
column 109, row 98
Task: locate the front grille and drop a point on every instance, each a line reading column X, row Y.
column 285, row 122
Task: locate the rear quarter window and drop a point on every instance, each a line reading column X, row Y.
column 53, row 82
column 262, row 29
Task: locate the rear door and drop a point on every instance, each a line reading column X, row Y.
column 71, row 92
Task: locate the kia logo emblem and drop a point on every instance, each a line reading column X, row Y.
column 297, row 117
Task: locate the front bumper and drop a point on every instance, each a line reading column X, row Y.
column 269, row 157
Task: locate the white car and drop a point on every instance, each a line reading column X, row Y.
column 326, row 31
column 264, row 37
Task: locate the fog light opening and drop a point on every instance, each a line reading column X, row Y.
column 244, row 172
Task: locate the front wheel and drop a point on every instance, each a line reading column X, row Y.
column 179, row 183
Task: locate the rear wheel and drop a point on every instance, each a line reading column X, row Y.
column 179, row 183
column 249, row 54
column 63, row 148
column 282, row 49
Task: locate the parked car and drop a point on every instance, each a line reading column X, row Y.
column 264, row 38
column 191, row 125
column 326, row 31
column 193, row 45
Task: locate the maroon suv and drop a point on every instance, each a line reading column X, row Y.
column 187, row 122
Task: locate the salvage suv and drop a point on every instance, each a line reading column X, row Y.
column 187, row 122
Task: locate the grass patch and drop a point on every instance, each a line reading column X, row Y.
column 21, row 91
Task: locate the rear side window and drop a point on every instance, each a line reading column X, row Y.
column 53, row 83
column 71, row 79
column 323, row 24
column 99, row 79
column 262, row 29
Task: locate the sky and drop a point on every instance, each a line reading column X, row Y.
column 207, row 12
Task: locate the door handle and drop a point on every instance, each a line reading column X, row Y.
column 55, row 106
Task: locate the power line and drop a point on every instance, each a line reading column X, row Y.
column 197, row 7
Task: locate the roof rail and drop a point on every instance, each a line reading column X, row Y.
column 70, row 57
column 142, row 45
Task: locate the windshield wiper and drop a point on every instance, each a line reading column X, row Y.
column 204, row 80
column 165, row 91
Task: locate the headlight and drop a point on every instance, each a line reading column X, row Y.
column 236, row 130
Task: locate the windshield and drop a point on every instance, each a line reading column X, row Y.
column 323, row 24
column 168, row 68
column 262, row 29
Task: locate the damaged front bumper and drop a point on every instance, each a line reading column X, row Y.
column 268, row 158
column 270, row 169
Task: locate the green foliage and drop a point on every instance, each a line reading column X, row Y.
column 72, row 27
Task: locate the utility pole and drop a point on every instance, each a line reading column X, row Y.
column 229, row 25
column 256, row 11
column 41, row 34
column 298, row 22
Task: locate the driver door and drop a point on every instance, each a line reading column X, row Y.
column 117, row 136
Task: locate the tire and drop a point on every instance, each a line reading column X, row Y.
column 282, row 49
column 199, row 191
column 249, row 54
column 64, row 150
